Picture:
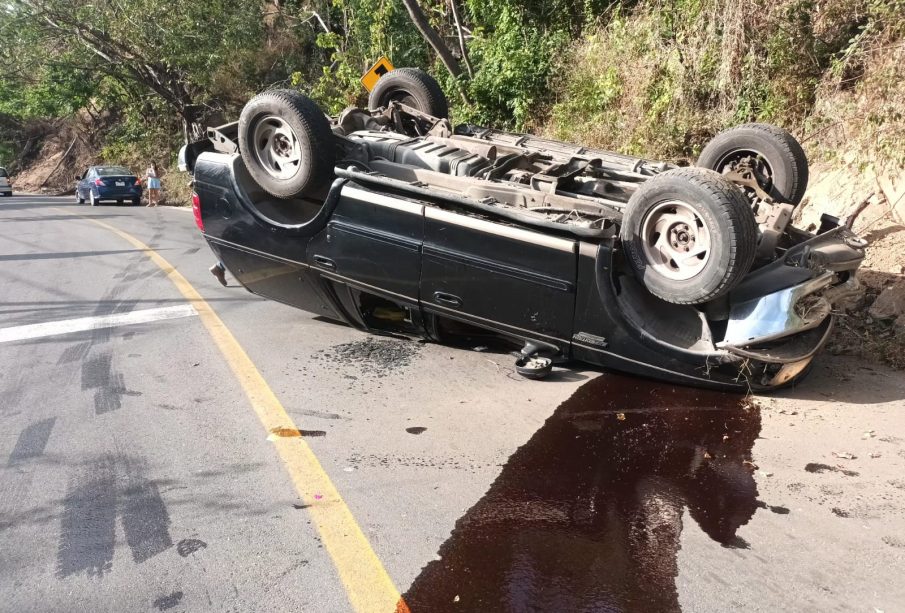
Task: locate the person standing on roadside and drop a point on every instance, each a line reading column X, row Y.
column 153, row 179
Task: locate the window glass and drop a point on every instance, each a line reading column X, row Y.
column 113, row 171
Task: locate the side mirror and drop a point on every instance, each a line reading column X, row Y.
column 78, row 178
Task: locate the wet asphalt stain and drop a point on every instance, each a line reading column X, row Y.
column 74, row 353
column 814, row 467
column 168, row 602
column 587, row 515
column 145, row 518
column 32, row 441
column 415, row 429
column 88, row 523
column 187, row 547
column 98, row 374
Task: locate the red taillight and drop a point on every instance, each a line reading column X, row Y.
column 196, row 209
column 99, row 182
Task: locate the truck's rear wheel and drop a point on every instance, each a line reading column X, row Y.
column 689, row 234
column 412, row 87
column 286, row 143
column 773, row 156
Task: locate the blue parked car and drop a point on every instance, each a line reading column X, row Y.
column 108, row 183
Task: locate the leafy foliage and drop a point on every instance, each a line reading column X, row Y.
column 652, row 77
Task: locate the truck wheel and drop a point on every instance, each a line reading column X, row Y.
column 412, row 87
column 286, row 143
column 778, row 161
column 689, row 235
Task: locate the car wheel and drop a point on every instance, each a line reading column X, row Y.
column 412, row 87
column 689, row 235
column 92, row 200
column 286, row 143
column 777, row 160
column 136, row 201
column 78, row 197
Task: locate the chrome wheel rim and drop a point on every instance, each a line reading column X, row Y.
column 676, row 241
column 276, row 147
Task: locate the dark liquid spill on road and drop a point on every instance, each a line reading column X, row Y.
column 587, row 515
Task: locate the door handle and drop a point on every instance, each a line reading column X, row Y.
column 448, row 299
column 324, row 262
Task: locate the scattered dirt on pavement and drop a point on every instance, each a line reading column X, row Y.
column 374, row 357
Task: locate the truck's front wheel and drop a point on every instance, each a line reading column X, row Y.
column 286, row 143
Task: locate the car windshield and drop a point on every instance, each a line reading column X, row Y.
column 113, row 171
column 3, row 173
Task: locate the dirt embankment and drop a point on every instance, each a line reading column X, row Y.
column 872, row 323
column 61, row 149
column 65, row 148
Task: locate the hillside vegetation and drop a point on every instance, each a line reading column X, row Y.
column 653, row 77
column 126, row 81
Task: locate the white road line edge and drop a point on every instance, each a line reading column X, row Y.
column 67, row 326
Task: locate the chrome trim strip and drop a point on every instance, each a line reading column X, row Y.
column 494, row 267
column 489, row 227
column 378, row 235
column 365, row 286
column 270, row 256
column 495, row 325
column 398, row 204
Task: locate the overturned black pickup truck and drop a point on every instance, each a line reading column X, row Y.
column 393, row 221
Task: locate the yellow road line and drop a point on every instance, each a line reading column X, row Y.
column 367, row 583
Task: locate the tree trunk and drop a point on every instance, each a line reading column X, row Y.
column 432, row 38
column 462, row 47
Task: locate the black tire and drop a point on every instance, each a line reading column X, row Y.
column 413, row 87
column 136, row 201
column 783, row 155
column 310, row 131
column 92, row 200
column 717, row 206
column 79, row 198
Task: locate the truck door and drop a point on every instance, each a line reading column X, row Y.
column 499, row 276
column 372, row 243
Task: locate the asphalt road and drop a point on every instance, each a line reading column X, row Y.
column 135, row 475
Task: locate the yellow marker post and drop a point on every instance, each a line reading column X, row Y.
column 368, row 586
column 380, row 68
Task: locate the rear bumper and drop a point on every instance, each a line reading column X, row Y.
column 112, row 193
